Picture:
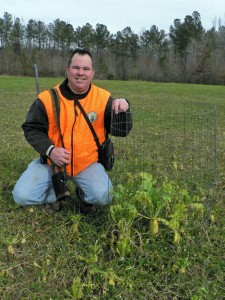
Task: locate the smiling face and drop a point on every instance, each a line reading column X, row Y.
column 80, row 73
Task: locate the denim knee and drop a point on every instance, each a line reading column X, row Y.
column 102, row 197
column 20, row 195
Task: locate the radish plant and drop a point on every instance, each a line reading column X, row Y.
column 164, row 203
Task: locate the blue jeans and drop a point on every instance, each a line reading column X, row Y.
column 35, row 185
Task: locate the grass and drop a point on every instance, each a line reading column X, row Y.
column 66, row 255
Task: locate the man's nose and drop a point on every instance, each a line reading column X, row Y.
column 80, row 71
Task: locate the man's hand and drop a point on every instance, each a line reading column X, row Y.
column 120, row 105
column 60, row 156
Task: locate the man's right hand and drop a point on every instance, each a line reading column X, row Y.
column 60, row 156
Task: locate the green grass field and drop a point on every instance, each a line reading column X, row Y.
column 116, row 254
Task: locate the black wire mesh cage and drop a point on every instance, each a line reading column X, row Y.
column 170, row 141
column 173, row 142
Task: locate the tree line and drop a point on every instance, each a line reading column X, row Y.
column 188, row 53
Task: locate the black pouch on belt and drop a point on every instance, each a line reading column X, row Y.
column 106, row 154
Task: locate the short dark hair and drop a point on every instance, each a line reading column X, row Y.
column 81, row 52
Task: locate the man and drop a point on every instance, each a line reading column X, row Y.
column 79, row 151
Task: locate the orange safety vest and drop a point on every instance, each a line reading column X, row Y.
column 77, row 136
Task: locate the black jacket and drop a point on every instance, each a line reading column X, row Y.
column 35, row 126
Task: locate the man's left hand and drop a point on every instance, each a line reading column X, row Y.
column 120, row 105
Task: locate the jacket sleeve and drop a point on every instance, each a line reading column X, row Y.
column 117, row 124
column 35, row 128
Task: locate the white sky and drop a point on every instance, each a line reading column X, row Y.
column 116, row 14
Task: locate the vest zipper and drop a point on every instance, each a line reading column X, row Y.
column 72, row 158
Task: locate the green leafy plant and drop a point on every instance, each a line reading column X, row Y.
column 163, row 203
column 123, row 216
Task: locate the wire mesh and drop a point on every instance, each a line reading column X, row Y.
column 169, row 141
column 176, row 145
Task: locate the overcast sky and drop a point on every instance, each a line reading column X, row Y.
column 116, row 14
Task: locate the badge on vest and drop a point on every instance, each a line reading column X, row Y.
column 92, row 116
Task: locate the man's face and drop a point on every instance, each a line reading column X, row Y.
column 80, row 73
